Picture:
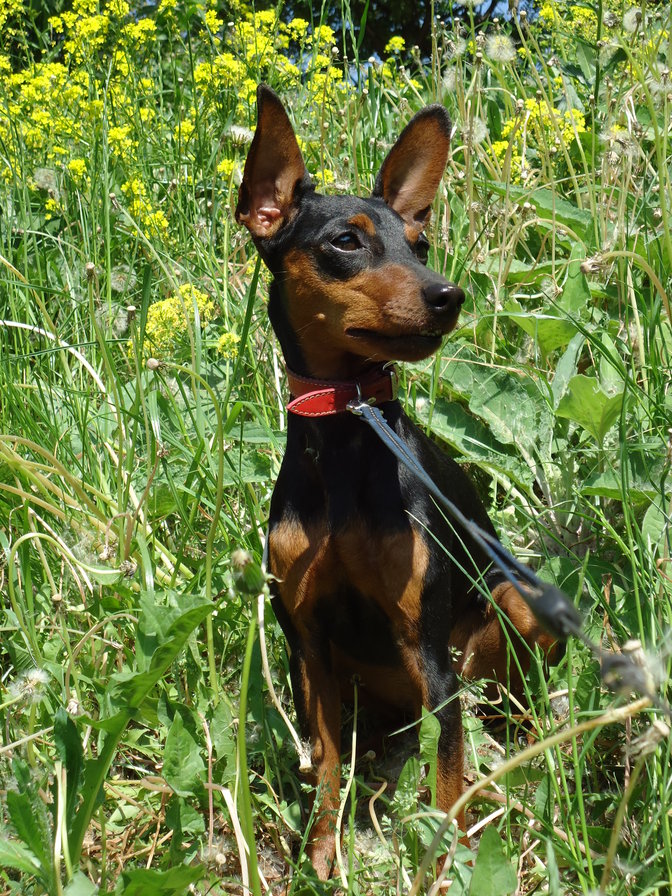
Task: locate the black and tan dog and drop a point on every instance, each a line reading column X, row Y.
column 370, row 580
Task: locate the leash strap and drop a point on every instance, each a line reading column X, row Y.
column 553, row 609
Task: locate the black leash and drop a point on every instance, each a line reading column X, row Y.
column 552, row 608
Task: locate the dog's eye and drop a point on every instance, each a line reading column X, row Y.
column 346, row 242
column 422, row 248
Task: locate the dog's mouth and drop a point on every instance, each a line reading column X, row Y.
column 407, row 346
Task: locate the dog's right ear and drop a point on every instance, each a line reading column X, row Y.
column 273, row 170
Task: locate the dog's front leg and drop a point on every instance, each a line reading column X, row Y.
column 320, row 715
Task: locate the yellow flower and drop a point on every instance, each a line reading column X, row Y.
column 118, row 8
column 77, row 168
column 212, row 21
column 395, row 45
column 9, row 9
column 324, row 177
column 184, row 130
column 119, row 140
column 140, row 32
column 226, row 168
column 297, row 29
column 168, row 319
column 227, row 345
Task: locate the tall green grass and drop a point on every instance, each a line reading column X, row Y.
column 142, row 421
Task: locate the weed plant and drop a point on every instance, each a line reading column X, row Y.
column 142, row 424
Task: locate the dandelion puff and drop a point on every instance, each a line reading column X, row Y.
column 449, row 80
column 621, row 144
column 458, row 47
column 45, row 179
column 500, row 48
column 122, row 278
column 475, row 132
column 240, row 136
column 631, row 20
column 30, row 686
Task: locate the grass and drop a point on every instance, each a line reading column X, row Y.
column 142, row 421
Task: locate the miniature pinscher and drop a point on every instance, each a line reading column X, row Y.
column 371, row 583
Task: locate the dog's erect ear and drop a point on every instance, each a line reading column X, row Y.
column 274, row 168
column 412, row 171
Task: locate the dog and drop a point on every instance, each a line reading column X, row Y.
column 370, row 582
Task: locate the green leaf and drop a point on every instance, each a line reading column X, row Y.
column 406, row 794
column 430, row 731
column 493, row 874
column 19, row 858
column 656, row 529
column 29, row 818
column 183, row 767
column 549, row 206
column 587, row 404
column 576, row 292
column 147, row 882
column 549, row 332
column 130, row 694
column 566, row 367
column 80, row 885
column 69, row 750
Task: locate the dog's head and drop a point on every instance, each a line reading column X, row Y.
column 351, row 283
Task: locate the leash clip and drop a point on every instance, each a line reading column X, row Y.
column 356, row 405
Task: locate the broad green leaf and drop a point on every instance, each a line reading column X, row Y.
column 566, row 367
column 548, row 332
column 587, row 404
column 18, row 857
column 147, row 882
column 29, row 821
column 550, row 206
column 576, row 292
column 494, row 875
column 69, row 748
column 183, row 767
column 406, row 795
column 610, row 484
column 657, row 527
column 472, row 438
column 223, row 735
column 130, row 694
column 80, row 885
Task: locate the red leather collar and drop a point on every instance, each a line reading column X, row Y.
column 321, row 398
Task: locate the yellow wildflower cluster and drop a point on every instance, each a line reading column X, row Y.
column 152, row 221
column 581, row 19
column 227, row 345
column 10, row 11
column 169, row 319
column 395, row 45
column 538, row 127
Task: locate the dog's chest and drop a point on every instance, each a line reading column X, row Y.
column 353, row 576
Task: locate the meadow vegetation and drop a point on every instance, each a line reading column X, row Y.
column 142, row 425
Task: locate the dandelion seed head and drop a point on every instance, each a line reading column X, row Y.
column 475, row 132
column 449, row 80
column 631, row 19
column 30, row 686
column 239, row 135
column 45, row 179
column 500, row 48
column 122, row 278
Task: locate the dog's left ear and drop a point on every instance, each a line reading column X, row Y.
column 412, row 171
column 274, row 168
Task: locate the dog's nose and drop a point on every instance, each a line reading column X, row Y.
column 444, row 296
